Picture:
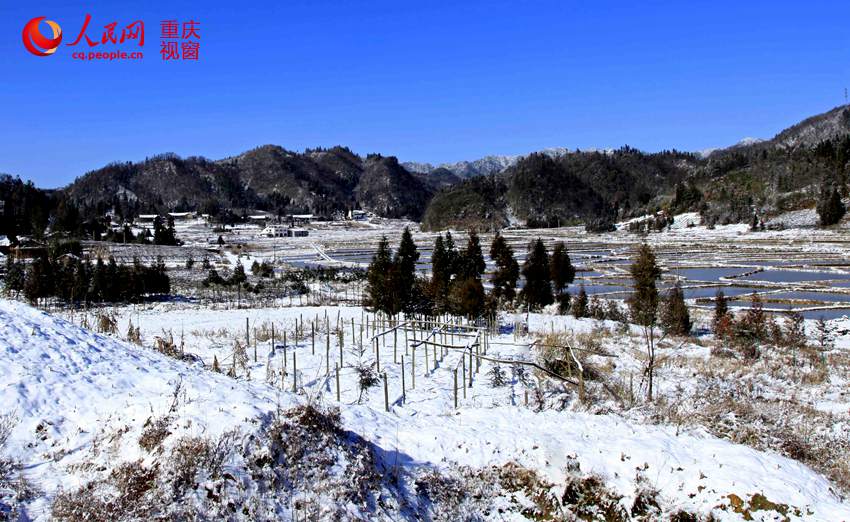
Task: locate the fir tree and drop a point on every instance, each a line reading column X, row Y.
column 675, row 318
column 507, row 270
column 377, row 277
column 440, row 275
column 563, row 273
column 561, row 268
column 238, row 276
column 468, row 297
column 451, row 255
column 471, row 263
column 643, row 304
column 98, row 281
column 537, row 291
column 404, row 273
column 579, row 306
column 830, row 207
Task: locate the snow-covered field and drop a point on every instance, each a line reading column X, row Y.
column 82, row 401
column 106, row 423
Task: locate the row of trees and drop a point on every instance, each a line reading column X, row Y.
column 77, row 281
column 456, row 286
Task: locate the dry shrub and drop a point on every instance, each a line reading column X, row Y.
column 128, row 493
column 155, row 430
column 107, row 323
column 588, row 498
column 14, row 488
column 305, row 450
column 554, row 355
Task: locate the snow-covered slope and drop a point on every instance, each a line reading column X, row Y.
column 82, row 401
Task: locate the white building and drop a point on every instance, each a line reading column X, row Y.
column 358, row 215
column 275, row 231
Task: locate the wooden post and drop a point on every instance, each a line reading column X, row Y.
column 464, row 375
column 435, row 356
column 294, row 373
column 426, row 359
column 337, row 383
column 247, row 334
column 413, row 370
column 526, row 397
column 386, row 393
column 455, row 376
column 395, row 346
column 313, row 336
column 377, row 355
column 352, row 331
column 470, row 365
column 328, row 359
column 403, row 387
column 405, row 340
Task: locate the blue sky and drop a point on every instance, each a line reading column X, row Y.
column 426, row 81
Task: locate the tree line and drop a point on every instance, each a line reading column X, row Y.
column 455, row 284
column 75, row 280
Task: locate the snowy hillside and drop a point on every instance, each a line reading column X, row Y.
column 128, row 423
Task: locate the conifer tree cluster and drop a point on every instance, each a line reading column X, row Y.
column 456, row 285
column 537, row 291
column 830, row 208
column 80, row 281
column 506, row 273
column 391, row 282
column 675, row 319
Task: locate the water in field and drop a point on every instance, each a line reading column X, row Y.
column 794, row 276
column 709, row 274
column 605, row 272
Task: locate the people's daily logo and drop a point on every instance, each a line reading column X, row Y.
column 36, row 42
column 104, row 39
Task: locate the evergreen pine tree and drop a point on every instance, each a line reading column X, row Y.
column 830, row 207
column 579, row 306
column 404, row 273
column 238, row 276
column 98, row 283
column 563, row 273
column 377, row 277
column 537, row 291
column 15, row 275
column 561, row 268
column 440, row 275
column 507, row 270
column 643, row 304
column 451, row 255
column 675, row 317
column 471, row 263
column 467, row 295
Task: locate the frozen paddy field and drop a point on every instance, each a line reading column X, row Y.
column 805, row 270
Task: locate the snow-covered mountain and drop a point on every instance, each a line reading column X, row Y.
column 481, row 167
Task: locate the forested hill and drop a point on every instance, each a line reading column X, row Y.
column 270, row 178
column 577, row 187
column 551, row 188
column 729, row 185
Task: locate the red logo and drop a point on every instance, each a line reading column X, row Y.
column 37, row 43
